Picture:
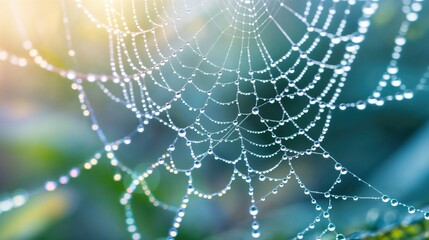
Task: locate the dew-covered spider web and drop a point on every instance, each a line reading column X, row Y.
column 247, row 88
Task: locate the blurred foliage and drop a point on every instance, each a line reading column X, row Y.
column 35, row 217
column 413, row 229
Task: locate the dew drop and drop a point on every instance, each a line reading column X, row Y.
column 74, row 172
column 369, row 9
column 326, row 214
column 352, row 47
column 340, row 237
column 50, row 186
column 171, row 148
column 253, row 210
column 140, row 128
column 412, row 16
column 71, row 75
column 400, row 40
column 326, row 155
column 331, row 227
column 385, row 198
column 255, row 110
column 408, row 94
column 197, row 164
column 181, row 213
column 364, row 22
column 295, row 48
column 392, row 70
column 358, row 38
column 394, row 202
column 255, row 225
column 338, row 166
column 182, row 133
column 173, row 232
column 64, row 179
column 361, row 105
column 396, row 82
column 256, row 233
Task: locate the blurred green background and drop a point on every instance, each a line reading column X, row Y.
column 43, row 134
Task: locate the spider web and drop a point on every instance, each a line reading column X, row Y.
column 251, row 84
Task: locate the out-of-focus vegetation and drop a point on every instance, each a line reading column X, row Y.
column 410, row 228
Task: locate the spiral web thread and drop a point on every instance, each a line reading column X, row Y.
column 161, row 63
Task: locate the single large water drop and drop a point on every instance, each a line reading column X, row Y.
column 255, row 225
column 331, row 227
column 256, row 233
column 182, row 133
column 361, row 105
column 255, row 110
column 340, row 237
column 253, row 210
